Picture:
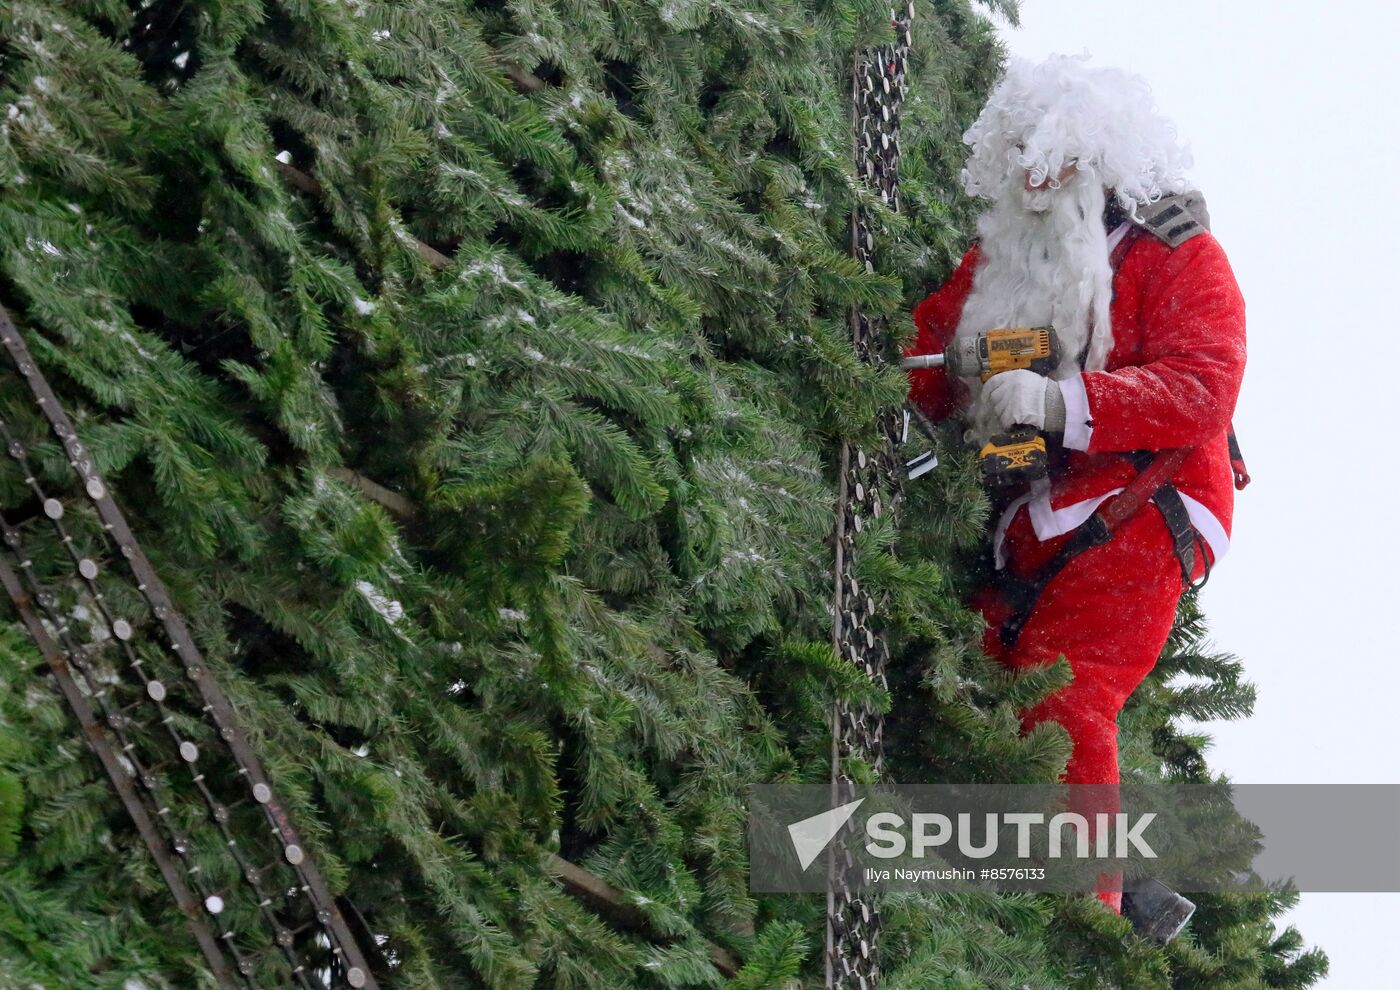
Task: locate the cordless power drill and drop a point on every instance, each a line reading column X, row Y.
column 1019, row 454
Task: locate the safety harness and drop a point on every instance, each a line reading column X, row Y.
column 1173, row 219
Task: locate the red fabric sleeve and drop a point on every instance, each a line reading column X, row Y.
column 930, row 389
column 1183, row 391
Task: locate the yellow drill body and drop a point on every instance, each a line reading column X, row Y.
column 1019, row 454
column 1032, row 348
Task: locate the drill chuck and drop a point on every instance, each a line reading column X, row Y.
column 963, row 358
column 923, row 361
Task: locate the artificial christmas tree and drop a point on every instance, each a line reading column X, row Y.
column 473, row 376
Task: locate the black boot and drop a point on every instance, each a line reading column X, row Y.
column 1157, row 912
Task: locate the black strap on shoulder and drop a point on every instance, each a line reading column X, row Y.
column 1177, row 218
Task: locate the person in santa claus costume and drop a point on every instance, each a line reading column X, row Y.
column 1094, row 231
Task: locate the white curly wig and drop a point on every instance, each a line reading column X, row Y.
column 1045, row 116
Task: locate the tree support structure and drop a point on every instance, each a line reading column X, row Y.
column 869, row 488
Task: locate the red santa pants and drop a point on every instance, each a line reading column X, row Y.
column 1109, row 612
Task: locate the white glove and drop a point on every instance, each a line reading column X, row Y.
column 1017, row 397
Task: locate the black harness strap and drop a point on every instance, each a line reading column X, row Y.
column 1237, row 461
column 1174, row 514
column 1023, row 594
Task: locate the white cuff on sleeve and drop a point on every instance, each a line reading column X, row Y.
column 1078, row 428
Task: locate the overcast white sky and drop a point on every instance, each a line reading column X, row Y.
column 1291, row 115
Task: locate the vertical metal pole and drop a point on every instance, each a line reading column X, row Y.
column 868, row 486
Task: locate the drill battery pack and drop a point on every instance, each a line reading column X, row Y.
column 1019, row 454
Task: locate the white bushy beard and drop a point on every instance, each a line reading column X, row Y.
column 1045, row 263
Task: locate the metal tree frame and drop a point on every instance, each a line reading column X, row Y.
column 868, row 489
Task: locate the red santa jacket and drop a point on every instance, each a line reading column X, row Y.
column 1171, row 380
